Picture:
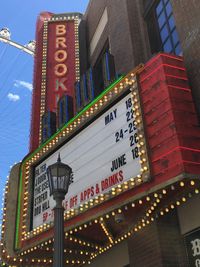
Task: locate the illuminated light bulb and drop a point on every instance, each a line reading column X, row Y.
column 196, row 191
column 113, row 213
column 182, row 184
column 125, row 186
column 183, row 199
column 105, row 98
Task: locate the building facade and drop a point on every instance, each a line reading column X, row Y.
column 127, row 124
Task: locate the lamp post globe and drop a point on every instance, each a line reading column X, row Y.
column 59, row 178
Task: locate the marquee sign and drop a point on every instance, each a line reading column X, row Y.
column 102, row 156
column 61, row 67
column 104, row 145
column 57, row 66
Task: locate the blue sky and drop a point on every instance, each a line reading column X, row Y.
column 16, row 72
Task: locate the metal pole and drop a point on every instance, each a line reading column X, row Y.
column 58, row 255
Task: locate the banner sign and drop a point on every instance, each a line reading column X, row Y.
column 102, row 156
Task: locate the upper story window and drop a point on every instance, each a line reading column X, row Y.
column 167, row 28
column 161, row 26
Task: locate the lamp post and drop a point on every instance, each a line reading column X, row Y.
column 59, row 177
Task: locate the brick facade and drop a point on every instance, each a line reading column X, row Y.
column 159, row 244
column 128, row 41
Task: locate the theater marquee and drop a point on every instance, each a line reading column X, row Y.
column 105, row 147
column 102, row 156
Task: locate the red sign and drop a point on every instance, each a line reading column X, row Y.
column 60, row 62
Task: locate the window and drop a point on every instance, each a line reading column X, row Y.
column 167, row 28
column 98, row 71
column 161, row 26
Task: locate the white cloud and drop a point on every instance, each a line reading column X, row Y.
column 24, row 84
column 13, row 97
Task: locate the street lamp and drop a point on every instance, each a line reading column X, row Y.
column 59, row 177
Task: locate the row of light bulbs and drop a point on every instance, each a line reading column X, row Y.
column 100, row 220
column 44, row 72
column 64, row 18
column 77, row 56
column 146, row 220
column 106, row 231
column 156, row 197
